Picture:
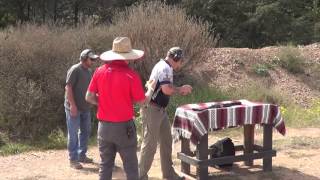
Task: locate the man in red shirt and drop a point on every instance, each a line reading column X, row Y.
column 114, row 88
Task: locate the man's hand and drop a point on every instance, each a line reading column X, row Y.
column 73, row 111
column 92, row 98
column 185, row 90
column 151, row 84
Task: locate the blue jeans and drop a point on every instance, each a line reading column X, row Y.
column 78, row 140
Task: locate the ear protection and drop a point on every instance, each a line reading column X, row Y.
column 176, row 54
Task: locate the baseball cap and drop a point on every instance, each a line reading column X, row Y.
column 88, row 53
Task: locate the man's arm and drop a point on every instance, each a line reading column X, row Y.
column 148, row 95
column 150, row 85
column 170, row 89
column 70, row 98
column 91, row 98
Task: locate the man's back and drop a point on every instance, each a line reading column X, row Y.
column 118, row 87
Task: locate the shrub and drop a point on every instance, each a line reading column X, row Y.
column 56, row 139
column 259, row 92
column 34, row 63
column 155, row 28
column 261, row 70
column 33, row 67
column 291, row 59
column 34, row 60
column 198, row 95
column 296, row 116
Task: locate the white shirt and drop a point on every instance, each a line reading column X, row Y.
column 162, row 72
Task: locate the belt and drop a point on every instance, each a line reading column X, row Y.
column 156, row 105
column 119, row 122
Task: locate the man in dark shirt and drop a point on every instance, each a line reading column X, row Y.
column 77, row 110
column 156, row 124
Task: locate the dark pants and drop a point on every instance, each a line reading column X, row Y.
column 121, row 138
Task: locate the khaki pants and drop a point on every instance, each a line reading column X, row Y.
column 156, row 127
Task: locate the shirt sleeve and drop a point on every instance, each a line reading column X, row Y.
column 137, row 89
column 93, row 86
column 72, row 76
column 165, row 76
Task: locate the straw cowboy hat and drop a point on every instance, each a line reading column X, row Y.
column 121, row 50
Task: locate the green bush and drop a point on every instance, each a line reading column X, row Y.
column 198, row 95
column 56, row 139
column 291, row 59
column 261, row 70
column 254, row 91
column 14, row 148
column 34, row 60
column 297, row 116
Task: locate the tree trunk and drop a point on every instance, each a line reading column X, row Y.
column 76, row 12
column 28, row 11
column 43, row 11
column 21, row 8
column 55, row 2
column 316, row 13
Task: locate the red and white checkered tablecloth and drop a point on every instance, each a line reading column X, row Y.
column 192, row 121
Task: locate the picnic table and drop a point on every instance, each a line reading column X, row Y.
column 193, row 122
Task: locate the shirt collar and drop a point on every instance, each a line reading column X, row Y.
column 166, row 62
column 118, row 63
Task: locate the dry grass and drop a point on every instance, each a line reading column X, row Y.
column 34, row 60
column 155, row 28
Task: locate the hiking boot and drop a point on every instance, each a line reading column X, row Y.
column 85, row 159
column 75, row 165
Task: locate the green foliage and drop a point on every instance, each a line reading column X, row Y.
column 259, row 23
column 296, row 116
column 261, row 70
column 259, row 92
column 198, row 95
column 14, row 148
column 225, row 17
column 56, row 139
column 291, row 59
column 237, row 23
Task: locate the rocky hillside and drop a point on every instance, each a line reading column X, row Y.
column 240, row 67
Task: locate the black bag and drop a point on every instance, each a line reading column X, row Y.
column 221, row 148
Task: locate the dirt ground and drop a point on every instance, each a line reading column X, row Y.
column 229, row 68
column 297, row 158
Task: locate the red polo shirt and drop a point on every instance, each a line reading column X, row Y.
column 117, row 87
